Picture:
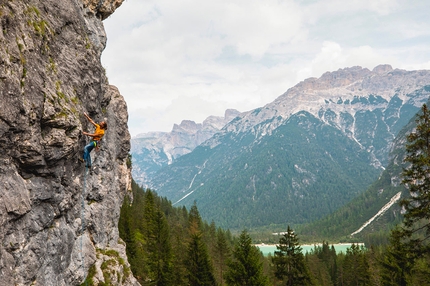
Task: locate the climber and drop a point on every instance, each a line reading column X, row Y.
column 96, row 137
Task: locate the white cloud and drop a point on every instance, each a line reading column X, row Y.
column 175, row 60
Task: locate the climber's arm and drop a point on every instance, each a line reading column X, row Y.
column 90, row 120
column 89, row 134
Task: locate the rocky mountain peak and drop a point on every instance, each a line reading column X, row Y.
column 187, row 126
column 151, row 151
column 382, row 69
column 341, row 77
column 230, row 114
column 216, row 123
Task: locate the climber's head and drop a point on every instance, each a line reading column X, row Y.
column 103, row 125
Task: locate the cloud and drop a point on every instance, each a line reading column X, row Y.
column 178, row 109
column 175, row 60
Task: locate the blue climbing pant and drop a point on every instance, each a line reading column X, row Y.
column 87, row 151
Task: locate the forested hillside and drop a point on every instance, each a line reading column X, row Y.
column 301, row 157
column 169, row 245
column 290, row 177
column 348, row 219
column 166, row 245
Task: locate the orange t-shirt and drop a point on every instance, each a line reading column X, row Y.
column 99, row 133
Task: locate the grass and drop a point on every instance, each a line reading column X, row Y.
column 60, row 93
column 91, row 273
column 40, row 26
column 116, row 259
column 52, row 66
column 87, row 43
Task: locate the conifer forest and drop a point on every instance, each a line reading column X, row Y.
column 169, row 245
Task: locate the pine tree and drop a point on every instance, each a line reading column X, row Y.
column 194, row 219
column 199, row 267
column 245, row 268
column 125, row 226
column 154, row 256
column 200, row 271
column 355, row 267
column 137, row 239
column 416, row 177
column 396, row 264
column 289, row 260
column 162, row 251
column 327, row 255
column 222, row 253
column 180, row 241
column 148, row 240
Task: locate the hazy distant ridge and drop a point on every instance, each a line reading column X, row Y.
column 151, row 151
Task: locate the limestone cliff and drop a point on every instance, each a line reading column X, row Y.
column 58, row 226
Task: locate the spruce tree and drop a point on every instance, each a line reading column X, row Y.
column 411, row 240
column 156, row 261
column 148, row 240
column 199, row 267
column 396, row 264
column 194, row 219
column 222, row 253
column 162, row 251
column 289, row 260
column 416, row 178
column 245, row 268
column 125, row 227
column 355, row 267
column 327, row 255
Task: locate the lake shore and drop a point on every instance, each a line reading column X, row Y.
column 267, row 249
column 310, row 245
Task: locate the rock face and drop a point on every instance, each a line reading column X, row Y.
column 58, row 225
column 154, row 150
column 102, row 8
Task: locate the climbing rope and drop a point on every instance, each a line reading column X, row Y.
column 83, row 221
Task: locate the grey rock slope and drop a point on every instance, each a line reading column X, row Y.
column 52, row 230
column 302, row 156
column 154, row 150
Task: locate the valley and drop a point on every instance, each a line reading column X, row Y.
column 308, row 155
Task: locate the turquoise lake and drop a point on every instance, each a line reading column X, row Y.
column 270, row 248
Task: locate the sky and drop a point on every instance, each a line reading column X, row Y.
column 186, row 60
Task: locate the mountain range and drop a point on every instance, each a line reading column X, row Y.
column 154, row 150
column 304, row 155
